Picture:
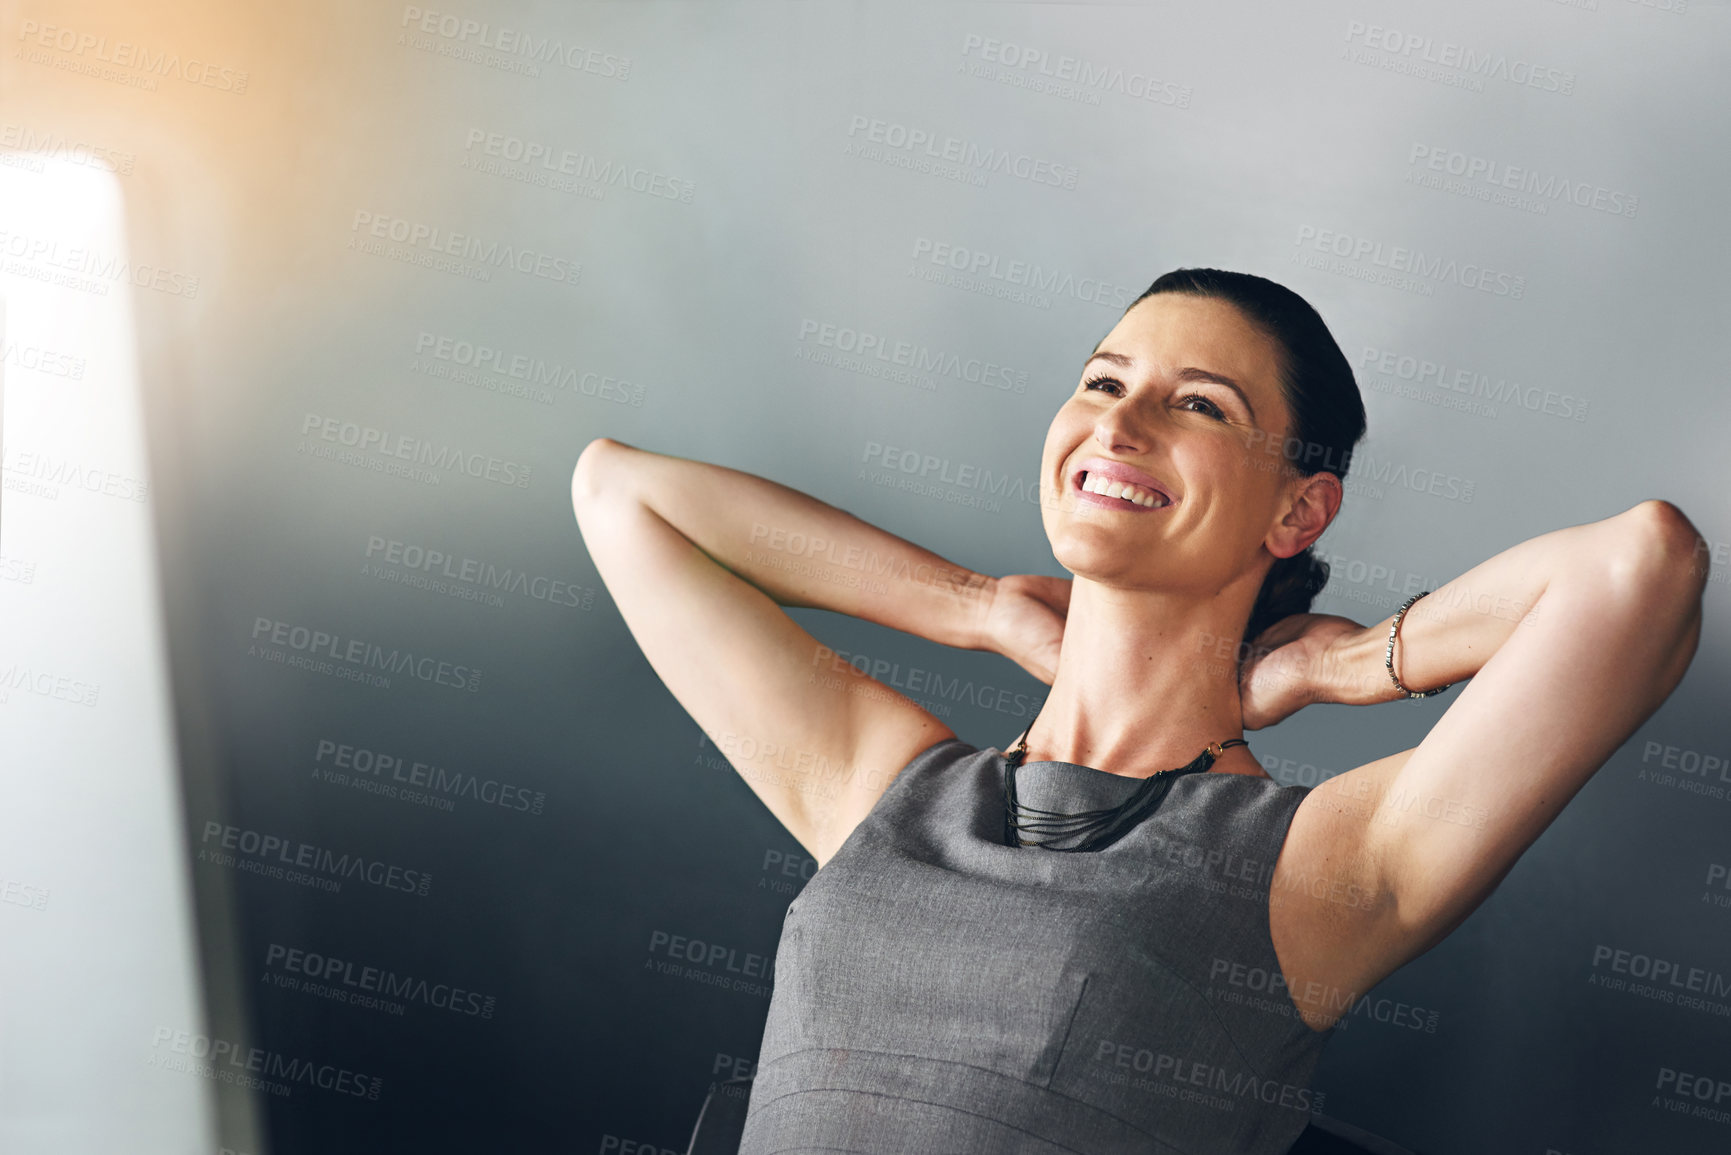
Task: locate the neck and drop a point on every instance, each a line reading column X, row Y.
column 1146, row 680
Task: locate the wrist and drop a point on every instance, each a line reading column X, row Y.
column 1358, row 676
column 979, row 591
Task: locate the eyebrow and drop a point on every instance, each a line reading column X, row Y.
column 1188, row 373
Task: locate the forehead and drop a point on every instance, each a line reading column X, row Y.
column 1172, row 331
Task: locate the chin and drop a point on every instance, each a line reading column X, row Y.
column 1098, row 561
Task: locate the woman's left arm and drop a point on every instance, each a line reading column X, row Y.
column 1571, row 640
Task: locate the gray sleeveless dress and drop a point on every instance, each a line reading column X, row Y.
column 939, row 992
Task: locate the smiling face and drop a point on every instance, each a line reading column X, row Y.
column 1182, row 398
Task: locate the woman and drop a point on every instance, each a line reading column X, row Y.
column 1118, row 933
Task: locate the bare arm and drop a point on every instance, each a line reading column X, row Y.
column 1572, row 640
column 700, row 559
column 1645, row 560
column 801, row 551
column 805, row 552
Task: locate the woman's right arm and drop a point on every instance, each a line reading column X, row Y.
column 700, row 559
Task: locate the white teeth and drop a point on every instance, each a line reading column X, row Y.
column 1136, row 494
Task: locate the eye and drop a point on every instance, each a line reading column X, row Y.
column 1213, row 409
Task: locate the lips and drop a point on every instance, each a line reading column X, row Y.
column 1101, row 467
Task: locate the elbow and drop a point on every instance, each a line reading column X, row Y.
column 596, row 467
column 1662, row 555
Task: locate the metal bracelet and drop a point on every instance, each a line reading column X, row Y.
column 1388, row 656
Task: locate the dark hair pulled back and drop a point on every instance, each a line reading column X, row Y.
column 1322, row 395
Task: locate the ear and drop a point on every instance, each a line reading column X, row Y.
column 1314, row 502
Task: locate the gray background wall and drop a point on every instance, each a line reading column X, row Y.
column 339, row 193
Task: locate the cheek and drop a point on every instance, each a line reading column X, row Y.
column 1057, row 433
column 1251, row 471
column 1234, row 487
column 1060, row 440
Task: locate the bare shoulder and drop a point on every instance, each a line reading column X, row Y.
column 897, row 730
column 1329, row 916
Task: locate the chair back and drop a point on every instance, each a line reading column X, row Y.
column 721, row 1122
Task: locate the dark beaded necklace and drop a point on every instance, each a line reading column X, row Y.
column 1097, row 829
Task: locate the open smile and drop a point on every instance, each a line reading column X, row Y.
column 1109, row 484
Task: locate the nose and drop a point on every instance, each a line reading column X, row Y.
column 1121, row 429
